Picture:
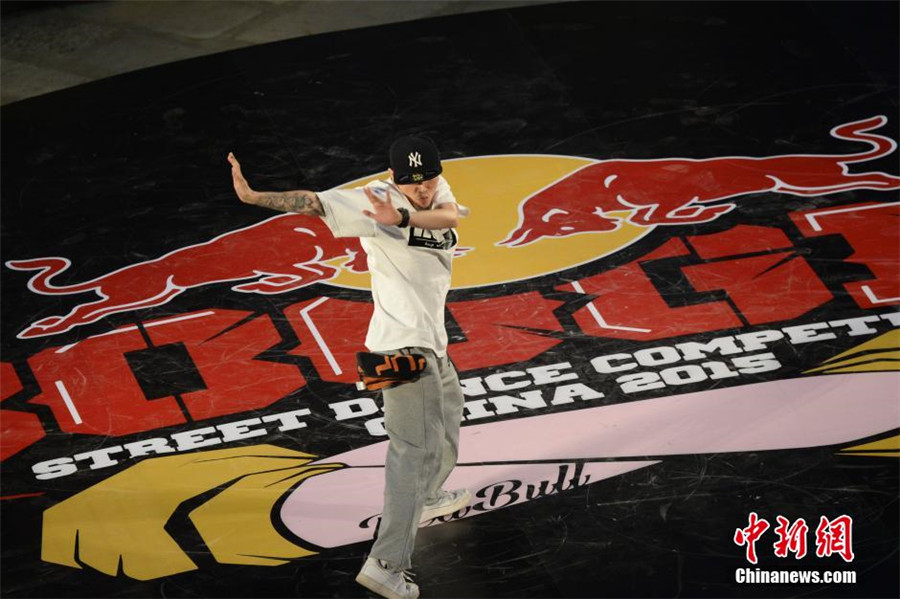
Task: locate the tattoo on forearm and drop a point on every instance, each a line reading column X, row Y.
column 302, row 202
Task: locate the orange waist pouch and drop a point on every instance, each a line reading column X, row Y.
column 380, row 371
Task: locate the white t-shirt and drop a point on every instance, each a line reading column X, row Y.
column 410, row 267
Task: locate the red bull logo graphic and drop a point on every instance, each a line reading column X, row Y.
column 241, row 445
column 681, row 191
column 618, row 200
column 279, row 254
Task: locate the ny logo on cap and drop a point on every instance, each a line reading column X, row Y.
column 415, row 159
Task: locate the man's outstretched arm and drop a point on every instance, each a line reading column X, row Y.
column 300, row 201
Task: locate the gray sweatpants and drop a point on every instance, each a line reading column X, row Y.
column 422, row 420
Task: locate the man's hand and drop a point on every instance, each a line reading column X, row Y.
column 241, row 187
column 384, row 210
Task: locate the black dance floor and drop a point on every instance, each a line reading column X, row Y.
column 675, row 319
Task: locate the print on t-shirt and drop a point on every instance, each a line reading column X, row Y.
column 443, row 239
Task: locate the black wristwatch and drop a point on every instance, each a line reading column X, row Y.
column 404, row 217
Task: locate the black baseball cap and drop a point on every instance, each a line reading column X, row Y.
column 414, row 158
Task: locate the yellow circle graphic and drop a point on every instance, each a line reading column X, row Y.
column 492, row 187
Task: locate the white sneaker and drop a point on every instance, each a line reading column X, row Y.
column 449, row 502
column 391, row 582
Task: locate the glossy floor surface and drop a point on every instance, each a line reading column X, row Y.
column 673, row 313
